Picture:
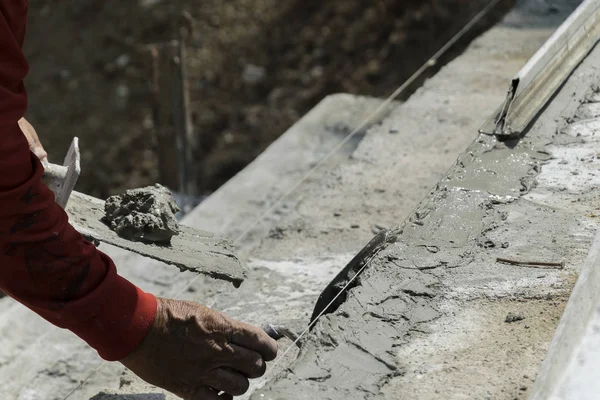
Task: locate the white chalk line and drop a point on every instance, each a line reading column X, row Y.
column 428, row 64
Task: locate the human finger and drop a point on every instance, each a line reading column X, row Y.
column 40, row 153
column 228, row 381
column 254, row 338
column 248, row 362
column 32, row 138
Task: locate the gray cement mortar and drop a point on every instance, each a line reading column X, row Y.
column 146, row 214
column 447, row 249
column 487, row 206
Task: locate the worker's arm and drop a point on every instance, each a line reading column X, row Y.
column 46, row 265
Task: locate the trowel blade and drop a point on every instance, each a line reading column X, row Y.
column 191, row 250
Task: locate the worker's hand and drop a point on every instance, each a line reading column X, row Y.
column 32, row 138
column 195, row 352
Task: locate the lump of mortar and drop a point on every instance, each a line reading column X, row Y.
column 146, row 214
column 514, row 317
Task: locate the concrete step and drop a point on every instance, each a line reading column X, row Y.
column 236, row 206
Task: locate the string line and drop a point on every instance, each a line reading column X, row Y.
column 429, row 63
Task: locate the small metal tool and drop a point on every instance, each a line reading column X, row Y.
column 277, row 332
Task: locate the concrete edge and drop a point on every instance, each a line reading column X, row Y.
column 234, row 207
column 571, row 330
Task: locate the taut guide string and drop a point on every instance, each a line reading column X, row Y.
column 429, row 63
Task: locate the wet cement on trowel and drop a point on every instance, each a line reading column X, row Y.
column 146, row 214
column 447, row 250
column 190, row 250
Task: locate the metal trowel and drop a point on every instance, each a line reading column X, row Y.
column 191, row 250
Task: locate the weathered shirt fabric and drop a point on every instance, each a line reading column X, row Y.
column 45, row 263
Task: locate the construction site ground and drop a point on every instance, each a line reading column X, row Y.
column 442, row 334
column 255, row 67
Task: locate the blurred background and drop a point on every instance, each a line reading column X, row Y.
column 254, row 68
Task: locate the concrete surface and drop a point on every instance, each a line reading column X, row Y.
column 426, row 318
column 580, row 377
column 235, row 207
column 567, row 371
column 394, row 167
column 296, row 253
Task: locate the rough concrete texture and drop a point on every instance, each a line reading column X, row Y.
column 145, row 214
column 565, row 366
column 131, row 388
column 500, row 200
column 300, row 248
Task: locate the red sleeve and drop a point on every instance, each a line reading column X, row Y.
column 44, row 263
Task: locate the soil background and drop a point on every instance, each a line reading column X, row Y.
column 255, row 67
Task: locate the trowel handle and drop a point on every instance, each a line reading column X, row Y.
column 54, row 172
column 61, row 179
column 277, row 332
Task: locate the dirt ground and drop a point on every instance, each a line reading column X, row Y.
column 255, row 67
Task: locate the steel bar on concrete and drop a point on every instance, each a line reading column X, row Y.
column 546, row 71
